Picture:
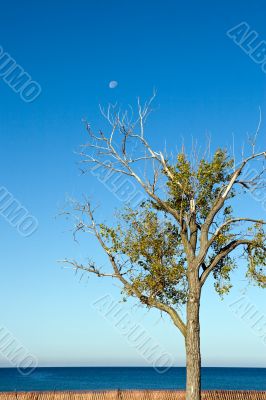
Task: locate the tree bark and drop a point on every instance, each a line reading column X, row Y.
column 193, row 356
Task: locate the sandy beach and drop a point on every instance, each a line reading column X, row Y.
column 132, row 395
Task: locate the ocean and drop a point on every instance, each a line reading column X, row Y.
column 129, row 378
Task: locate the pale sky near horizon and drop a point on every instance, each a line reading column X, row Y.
column 206, row 86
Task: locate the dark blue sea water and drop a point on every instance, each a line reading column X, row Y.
column 129, row 378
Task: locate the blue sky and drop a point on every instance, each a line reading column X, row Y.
column 205, row 84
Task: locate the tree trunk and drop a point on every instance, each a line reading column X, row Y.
column 193, row 357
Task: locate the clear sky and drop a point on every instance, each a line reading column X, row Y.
column 206, row 84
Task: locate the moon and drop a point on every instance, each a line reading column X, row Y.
column 113, row 84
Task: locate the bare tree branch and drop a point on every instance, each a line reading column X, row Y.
column 233, row 221
column 223, row 253
column 148, row 301
column 219, row 203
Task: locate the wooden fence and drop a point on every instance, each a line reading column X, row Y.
column 132, row 395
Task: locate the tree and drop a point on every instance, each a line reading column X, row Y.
column 164, row 250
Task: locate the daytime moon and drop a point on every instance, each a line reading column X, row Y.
column 113, row 84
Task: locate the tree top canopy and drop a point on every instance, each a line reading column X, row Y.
column 185, row 225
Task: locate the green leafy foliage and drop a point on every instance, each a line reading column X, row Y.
column 147, row 242
column 256, row 255
column 202, row 183
column 151, row 244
